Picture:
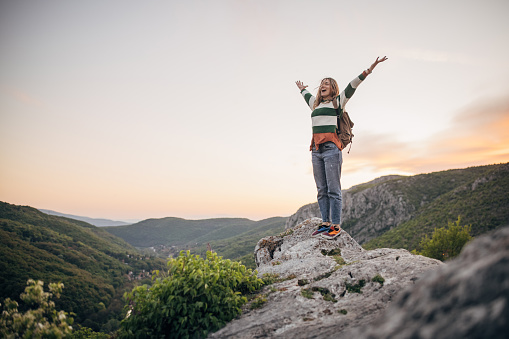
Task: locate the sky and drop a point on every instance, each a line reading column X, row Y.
column 148, row 109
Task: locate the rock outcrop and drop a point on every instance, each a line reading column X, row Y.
column 415, row 205
column 466, row 298
column 324, row 287
column 368, row 210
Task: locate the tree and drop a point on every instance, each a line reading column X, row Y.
column 446, row 242
column 197, row 296
column 41, row 322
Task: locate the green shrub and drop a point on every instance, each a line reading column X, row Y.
column 302, row 282
column 87, row 333
column 41, row 322
column 198, row 296
column 306, row 293
column 379, row 279
column 270, row 278
column 258, row 301
column 446, row 243
column 355, row 288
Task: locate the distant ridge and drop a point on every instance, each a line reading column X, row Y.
column 232, row 238
column 92, row 221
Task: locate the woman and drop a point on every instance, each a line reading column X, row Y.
column 326, row 147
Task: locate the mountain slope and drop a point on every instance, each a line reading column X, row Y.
column 178, row 232
column 241, row 246
column 481, row 201
column 400, row 210
column 231, row 238
column 88, row 260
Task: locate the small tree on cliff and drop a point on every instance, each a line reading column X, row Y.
column 446, row 242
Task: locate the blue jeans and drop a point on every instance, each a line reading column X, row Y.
column 327, row 162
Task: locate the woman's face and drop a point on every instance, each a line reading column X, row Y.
column 325, row 89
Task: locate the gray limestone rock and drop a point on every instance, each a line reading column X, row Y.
column 367, row 212
column 467, row 297
column 326, row 286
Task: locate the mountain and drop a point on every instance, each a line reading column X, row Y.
column 232, row 238
column 95, row 266
column 397, row 211
column 91, row 221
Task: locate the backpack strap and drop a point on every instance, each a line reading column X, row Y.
column 335, row 104
column 339, row 115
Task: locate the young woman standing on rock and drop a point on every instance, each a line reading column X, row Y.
column 326, row 147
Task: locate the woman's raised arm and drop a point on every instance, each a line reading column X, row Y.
column 300, row 85
column 377, row 61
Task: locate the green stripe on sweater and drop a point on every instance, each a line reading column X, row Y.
column 349, row 91
column 324, row 129
column 307, row 96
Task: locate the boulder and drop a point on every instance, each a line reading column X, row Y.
column 324, row 286
column 468, row 297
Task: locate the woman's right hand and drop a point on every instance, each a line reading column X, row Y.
column 300, row 85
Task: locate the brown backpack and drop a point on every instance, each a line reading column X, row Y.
column 345, row 125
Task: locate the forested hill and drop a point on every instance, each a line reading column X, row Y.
column 398, row 211
column 232, row 238
column 478, row 195
column 94, row 265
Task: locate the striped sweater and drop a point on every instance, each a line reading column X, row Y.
column 324, row 117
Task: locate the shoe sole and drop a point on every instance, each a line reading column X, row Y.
column 319, row 233
column 331, row 236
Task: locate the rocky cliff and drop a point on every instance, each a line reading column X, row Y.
column 415, row 205
column 368, row 210
column 322, row 284
column 466, row 298
column 334, row 288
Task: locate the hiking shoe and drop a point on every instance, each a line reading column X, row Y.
column 334, row 231
column 324, row 227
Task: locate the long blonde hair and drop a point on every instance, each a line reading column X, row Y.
column 334, row 91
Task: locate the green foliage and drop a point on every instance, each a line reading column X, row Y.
column 302, row 282
column 198, row 296
column 446, row 243
column 258, row 301
column 379, row 279
column 343, row 311
column 332, row 252
column 231, row 238
column 325, row 292
column 326, row 274
column 41, row 320
column 91, row 263
column 270, row 278
column 87, row 333
column 357, row 288
column 246, row 260
column 478, row 194
column 307, row 293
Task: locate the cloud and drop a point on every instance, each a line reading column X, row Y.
column 476, row 136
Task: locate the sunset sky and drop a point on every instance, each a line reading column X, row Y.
column 147, row 109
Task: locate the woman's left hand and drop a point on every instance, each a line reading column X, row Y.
column 377, row 61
